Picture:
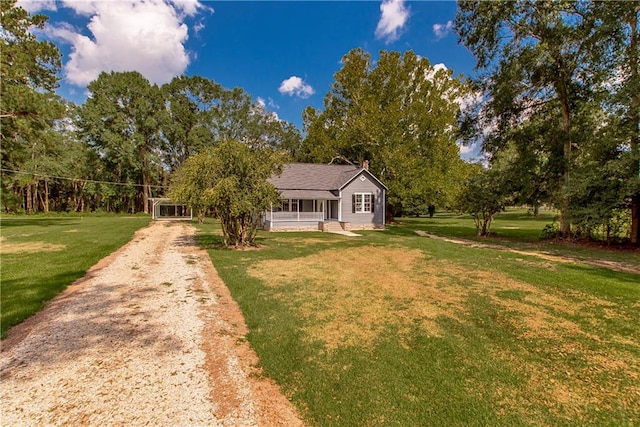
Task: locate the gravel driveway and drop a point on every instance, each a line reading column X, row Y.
column 150, row 336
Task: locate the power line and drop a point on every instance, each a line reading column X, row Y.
column 40, row 175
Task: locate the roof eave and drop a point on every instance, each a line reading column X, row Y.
column 358, row 173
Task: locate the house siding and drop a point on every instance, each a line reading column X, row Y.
column 375, row 219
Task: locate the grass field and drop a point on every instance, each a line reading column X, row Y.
column 392, row 328
column 516, row 228
column 41, row 255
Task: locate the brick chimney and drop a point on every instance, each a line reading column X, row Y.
column 365, row 165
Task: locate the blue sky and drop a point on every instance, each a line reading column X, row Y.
column 282, row 53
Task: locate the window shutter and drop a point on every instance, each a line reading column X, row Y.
column 373, row 203
column 353, row 203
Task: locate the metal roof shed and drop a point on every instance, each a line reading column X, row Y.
column 166, row 209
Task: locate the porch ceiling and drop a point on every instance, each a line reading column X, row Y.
column 308, row 194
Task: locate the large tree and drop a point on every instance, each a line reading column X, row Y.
column 620, row 52
column 231, row 181
column 399, row 113
column 122, row 119
column 204, row 113
column 543, row 67
column 28, row 106
column 189, row 101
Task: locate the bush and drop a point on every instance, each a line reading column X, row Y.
column 484, row 194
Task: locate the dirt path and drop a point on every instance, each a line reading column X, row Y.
column 150, row 336
column 611, row 265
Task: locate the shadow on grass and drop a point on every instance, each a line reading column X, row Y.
column 632, row 279
column 20, row 302
column 209, row 241
column 40, row 222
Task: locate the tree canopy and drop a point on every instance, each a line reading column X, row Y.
column 141, row 133
column 398, row 113
column 122, row 120
column 231, row 181
column 554, row 74
column 29, row 107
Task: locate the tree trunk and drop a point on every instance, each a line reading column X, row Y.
column 634, row 113
column 146, row 190
column 565, row 225
column 34, row 194
column 46, row 197
column 29, row 199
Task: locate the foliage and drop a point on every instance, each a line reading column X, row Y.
column 399, row 113
column 599, row 194
column 203, row 113
column 549, row 69
column 484, row 194
column 189, row 100
column 622, row 25
column 28, row 105
column 231, row 180
column 122, row 120
column 56, row 250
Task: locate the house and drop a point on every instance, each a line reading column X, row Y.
column 326, row 197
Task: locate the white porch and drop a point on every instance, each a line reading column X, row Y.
column 301, row 214
column 296, row 216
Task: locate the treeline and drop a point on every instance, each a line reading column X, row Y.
column 123, row 144
column 120, row 147
column 557, row 114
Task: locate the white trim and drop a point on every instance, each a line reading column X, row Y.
column 358, row 173
column 340, row 206
column 362, row 203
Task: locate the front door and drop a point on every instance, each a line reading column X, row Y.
column 333, row 209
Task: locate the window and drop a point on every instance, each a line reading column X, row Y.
column 362, row 203
column 287, row 205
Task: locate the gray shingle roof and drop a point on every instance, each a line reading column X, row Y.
column 308, row 194
column 313, row 176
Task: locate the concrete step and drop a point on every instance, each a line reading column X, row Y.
column 333, row 226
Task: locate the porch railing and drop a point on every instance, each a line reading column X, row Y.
column 295, row 216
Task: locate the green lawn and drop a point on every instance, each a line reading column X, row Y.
column 517, row 229
column 41, row 255
column 397, row 329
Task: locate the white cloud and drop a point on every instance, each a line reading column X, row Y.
column 466, row 149
column 147, row 36
column 441, row 30
column 188, row 7
column 260, row 107
column 86, row 8
column 392, row 19
column 198, row 27
column 33, row 6
column 272, row 104
column 296, row 86
column 431, row 72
